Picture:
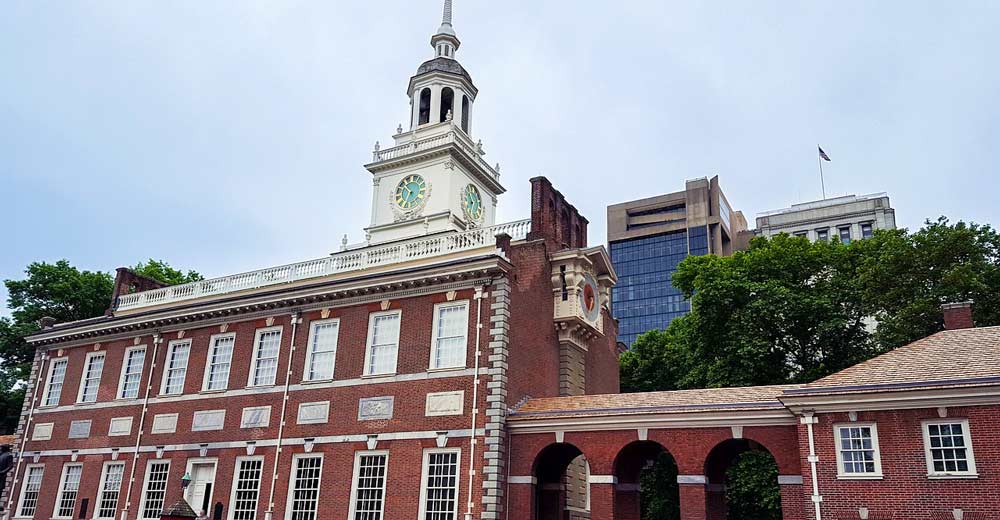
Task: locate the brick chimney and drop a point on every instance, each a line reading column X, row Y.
column 958, row 315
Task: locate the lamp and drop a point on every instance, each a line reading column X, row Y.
column 185, row 480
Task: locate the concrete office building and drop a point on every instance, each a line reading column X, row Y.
column 845, row 218
column 649, row 237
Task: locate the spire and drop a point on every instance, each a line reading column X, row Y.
column 446, row 19
column 445, row 42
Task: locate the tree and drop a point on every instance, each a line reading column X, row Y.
column 659, row 498
column 752, row 491
column 160, row 270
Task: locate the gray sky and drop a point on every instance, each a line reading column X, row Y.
column 227, row 136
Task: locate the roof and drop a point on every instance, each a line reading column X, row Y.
column 950, row 358
column 678, row 401
column 448, row 65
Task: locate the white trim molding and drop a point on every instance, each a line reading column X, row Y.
column 790, row 480
column 692, row 479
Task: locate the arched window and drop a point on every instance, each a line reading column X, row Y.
column 425, row 107
column 447, row 103
column 465, row 114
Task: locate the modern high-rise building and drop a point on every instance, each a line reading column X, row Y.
column 648, row 238
column 842, row 218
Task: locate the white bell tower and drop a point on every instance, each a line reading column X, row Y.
column 434, row 179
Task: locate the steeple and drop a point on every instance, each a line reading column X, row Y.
column 445, row 42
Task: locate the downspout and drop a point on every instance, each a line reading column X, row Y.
column 809, row 420
column 281, row 424
column 24, row 441
column 157, row 339
column 475, row 402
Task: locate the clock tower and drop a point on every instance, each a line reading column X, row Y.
column 434, row 179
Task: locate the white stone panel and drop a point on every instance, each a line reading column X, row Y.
column 208, row 420
column 445, row 403
column 314, row 413
column 165, row 423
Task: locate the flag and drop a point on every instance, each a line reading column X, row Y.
column 823, row 154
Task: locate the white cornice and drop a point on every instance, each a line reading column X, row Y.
column 773, row 417
column 898, row 400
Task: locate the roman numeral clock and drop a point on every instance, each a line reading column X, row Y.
column 410, row 196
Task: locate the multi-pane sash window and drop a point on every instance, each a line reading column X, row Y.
column 156, row 489
column 220, row 357
column 383, row 343
column 53, row 388
column 451, row 324
column 368, row 496
column 866, row 230
column 823, row 234
column 857, row 451
column 948, row 447
column 845, row 234
column 132, row 373
column 111, row 486
column 92, row 370
column 68, row 489
column 176, row 369
column 440, row 490
column 303, row 498
column 322, row 350
column 29, row 491
column 246, row 488
column 264, row 368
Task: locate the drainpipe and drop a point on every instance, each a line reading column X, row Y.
column 809, row 420
column 26, row 433
column 475, row 401
column 281, row 424
column 157, row 339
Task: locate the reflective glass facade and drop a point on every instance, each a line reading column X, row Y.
column 645, row 297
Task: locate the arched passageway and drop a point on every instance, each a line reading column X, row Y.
column 647, row 489
column 562, row 491
column 742, row 482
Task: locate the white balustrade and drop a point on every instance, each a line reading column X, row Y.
column 452, row 137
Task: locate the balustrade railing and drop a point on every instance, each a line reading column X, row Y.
column 451, row 137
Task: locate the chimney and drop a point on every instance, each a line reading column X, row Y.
column 958, row 315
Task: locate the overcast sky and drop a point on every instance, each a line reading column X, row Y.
column 228, row 136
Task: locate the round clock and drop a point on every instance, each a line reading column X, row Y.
column 590, row 298
column 472, row 203
column 411, row 192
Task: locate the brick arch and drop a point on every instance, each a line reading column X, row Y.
column 561, row 488
column 628, row 465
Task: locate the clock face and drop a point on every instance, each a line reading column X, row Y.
column 411, row 192
column 590, row 298
column 472, row 202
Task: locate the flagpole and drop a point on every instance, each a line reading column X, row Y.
column 822, row 182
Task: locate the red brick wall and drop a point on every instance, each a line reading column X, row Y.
column 534, row 345
column 602, row 360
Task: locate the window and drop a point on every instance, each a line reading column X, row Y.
column 845, row 234
column 111, row 486
column 322, row 353
column 383, row 343
column 246, row 488
column 178, row 353
column 128, row 386
column 866, row 230
column 264, row 366
column 29, row 491
column 155, row 489
column 823, row 234
column 92, row 370
column 439, row 493
column 424, row 107
column 802, row 234
column 53, row 387
column 948, row 446
column 451, row 325
column 368, row 489
column 220, row 356
column 303, row 497
column 68, row 488
column 857, row 451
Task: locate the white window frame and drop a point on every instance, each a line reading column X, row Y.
column 291, row 481
column 435, row 338
column 145, row 488
column 121, row 376
column 371, row 338
column 61, row 490
column 970, row 456
column 83, row 376
column 311, row 350
column 876, row 452
column 48, row 382
column 236, row 479
column 861, row 229
column 255, row 358
column 356, row 474
column 825, row 231
column 840, row 235
column 424, row 474
column 24, row 488
column 208, row 362
column 102, row 488
column 171, row 348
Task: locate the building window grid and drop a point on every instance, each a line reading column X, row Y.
column 823, row 234
column 176, row 372
column 845, row 234
column 132, row 373
column 246, row 489
column 440, row 485
column 156, row 489
column 265, row 359
column 383, row 344
column 857, row 450
column 111, row 485
column 369, row 486
column 91, row 377
column 220, row 358
column 68, row 490
column 57, row 376
column 451, row 325
column 867, row 229
column 30, row 490
column 304, row 495
column 949, row 448
column 323, row 336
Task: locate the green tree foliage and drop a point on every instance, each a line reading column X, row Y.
column 752, row 491
column 160, row 270
column 658, row 494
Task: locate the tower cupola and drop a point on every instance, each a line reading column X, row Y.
column 445, row 42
